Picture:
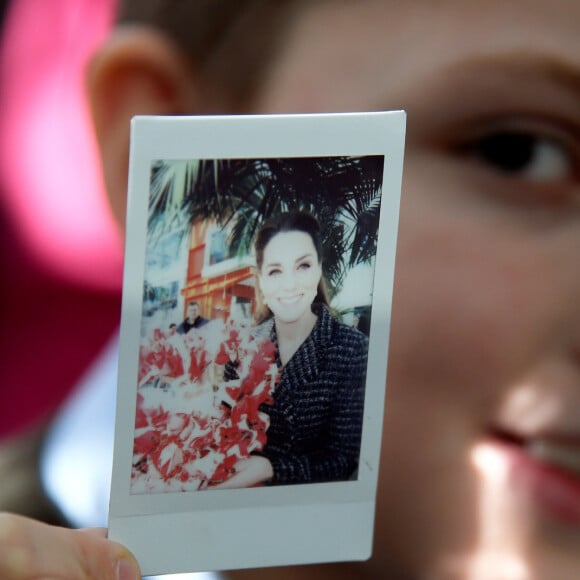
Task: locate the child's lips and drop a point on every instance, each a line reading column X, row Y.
column 557, row 450
column 546, row 468
column 558, row 454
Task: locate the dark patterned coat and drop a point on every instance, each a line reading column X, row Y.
column 316, row 419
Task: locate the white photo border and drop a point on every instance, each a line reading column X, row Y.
column 275, row 525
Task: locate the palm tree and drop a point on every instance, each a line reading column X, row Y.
column 343, row 192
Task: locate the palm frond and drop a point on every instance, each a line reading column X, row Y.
column 343, row 192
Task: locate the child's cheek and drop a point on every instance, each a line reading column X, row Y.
column 460, row 323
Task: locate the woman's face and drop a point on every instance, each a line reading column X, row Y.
column 289, row 275
column 481, row 451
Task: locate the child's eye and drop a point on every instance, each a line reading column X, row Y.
column 526, row 156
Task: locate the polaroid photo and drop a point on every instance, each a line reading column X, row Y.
column 257, row 292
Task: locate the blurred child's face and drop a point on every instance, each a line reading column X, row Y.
column 481, row 453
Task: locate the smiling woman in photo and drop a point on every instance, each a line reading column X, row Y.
column 316, row 416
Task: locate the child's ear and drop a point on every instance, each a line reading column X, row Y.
column 137, row 72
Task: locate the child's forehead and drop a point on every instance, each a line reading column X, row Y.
column 396, row 43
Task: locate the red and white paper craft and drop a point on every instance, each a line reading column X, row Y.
column 190, row 429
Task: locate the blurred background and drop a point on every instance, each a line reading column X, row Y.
column 60, row 252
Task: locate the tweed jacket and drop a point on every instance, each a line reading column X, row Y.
column 316, row 419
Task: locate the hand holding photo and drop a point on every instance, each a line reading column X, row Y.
column 256, row 312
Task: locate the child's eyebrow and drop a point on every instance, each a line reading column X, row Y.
column 558, row 69
column 497, row 83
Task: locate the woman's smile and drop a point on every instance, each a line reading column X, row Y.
column 290, row 300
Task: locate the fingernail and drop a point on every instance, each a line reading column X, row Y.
column 127, row 571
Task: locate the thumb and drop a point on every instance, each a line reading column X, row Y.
column 30, row 549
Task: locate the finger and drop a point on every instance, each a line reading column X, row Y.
column 30, row 550
column 125, row 564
